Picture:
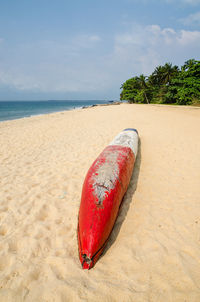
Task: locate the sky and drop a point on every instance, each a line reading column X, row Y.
column 86, row 49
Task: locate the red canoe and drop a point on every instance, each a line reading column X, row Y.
column 104, row 187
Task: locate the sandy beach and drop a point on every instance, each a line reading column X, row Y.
column 154, row 251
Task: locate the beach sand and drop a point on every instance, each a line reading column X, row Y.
column 154, row 250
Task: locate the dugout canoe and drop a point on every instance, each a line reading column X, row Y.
column 103, row 189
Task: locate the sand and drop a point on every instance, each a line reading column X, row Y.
column 154, row 251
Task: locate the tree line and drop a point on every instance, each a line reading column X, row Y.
column 167, row 84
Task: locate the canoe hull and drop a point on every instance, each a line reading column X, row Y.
column 104, row 187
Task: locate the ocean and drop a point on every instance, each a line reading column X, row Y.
column 10, row 110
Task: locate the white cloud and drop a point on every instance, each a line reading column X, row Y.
column 86, row 64
column 188, row 38
column 95, row 38
column 85, row 41
column 143, row 48
column 192, row 19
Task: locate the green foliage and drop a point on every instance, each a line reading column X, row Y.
column 136, row 90
column 185, row 88
column 167, row 85
column 130, row 89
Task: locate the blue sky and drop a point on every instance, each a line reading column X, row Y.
column 85, row 49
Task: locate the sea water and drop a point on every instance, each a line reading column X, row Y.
column 10, row 110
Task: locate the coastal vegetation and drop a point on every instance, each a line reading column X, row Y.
column 167, row 84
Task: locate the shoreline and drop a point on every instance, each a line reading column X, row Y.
column 110, row 103
column 73, row 107
column 70, row 109
column 153, row 250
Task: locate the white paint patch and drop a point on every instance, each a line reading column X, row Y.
column 106, row 175
column 127, row 138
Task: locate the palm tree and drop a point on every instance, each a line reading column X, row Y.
column 162, row 75
column 168, row 72
column 143, row 86
column 160, row 80
column 189, row 64
column 156, row 77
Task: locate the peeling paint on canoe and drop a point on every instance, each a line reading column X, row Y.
column 105, row 176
